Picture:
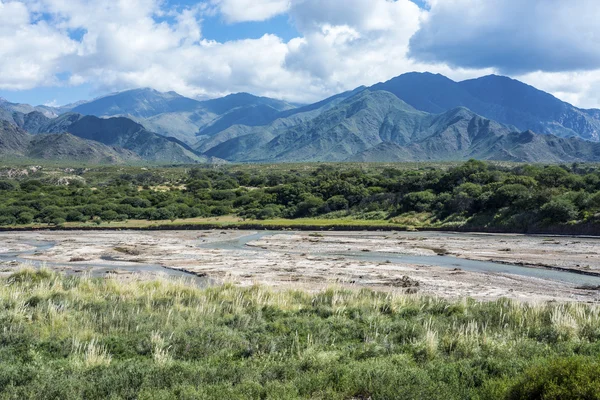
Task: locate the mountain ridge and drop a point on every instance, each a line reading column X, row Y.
column 419, row 116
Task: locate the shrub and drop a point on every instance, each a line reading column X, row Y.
column 336, row 203
column 75, row 216
column 559, row 379
column 418, row 201
column 559, row 210
column 7, row 220
column 8, row 185
column 25, row 218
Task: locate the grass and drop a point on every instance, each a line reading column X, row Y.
column 231, row 221
column 81, row 338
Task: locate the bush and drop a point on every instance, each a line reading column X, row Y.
column 57, row 221
column 7, row 220
column 109, row 215
column 309, row 207
column 25, row 218
column 559, row 210
column 336, row 203
column 220, row 211
column 75, row 216
column 269, row 212
column 8, row 185
column 559, row 379
column 418, row 201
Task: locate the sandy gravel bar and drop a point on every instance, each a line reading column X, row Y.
column 317, row 260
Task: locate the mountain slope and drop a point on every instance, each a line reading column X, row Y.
column 13, row 140
column 170, row 114
column 499, row 98
column 377, row 126
column 15, row 143
column 26, row 108
column 281, row 121
column 141, row 103
column 529, row 108
column 67, row 147
column 125, row 133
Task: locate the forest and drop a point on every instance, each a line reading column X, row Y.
column 472, row 195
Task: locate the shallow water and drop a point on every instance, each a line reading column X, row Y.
column 575, row 278
column 97, row 270
column 101, row 269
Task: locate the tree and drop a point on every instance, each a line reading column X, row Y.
column 75, row 216
column 508, row 195
column 418, row 201
column 25, row 218
column 559, row 210
column 8, row 185
column 309, row 207
column 109, row 215
column 336, row 203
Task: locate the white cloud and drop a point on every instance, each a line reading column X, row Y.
column 251, row 10
column 30, row 51
column 342, row 44
column 514, row 36
column 579, row 88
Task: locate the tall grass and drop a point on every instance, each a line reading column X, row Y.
column 65, row 337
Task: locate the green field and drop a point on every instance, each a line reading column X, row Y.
column 80, row 338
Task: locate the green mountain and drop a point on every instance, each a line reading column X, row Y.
column 281, row 121
column 129, row 135
column 378, row 126
column 15, row 143
column 130, row 139
column 173, row 115
column 499, row 98
column 67, row 147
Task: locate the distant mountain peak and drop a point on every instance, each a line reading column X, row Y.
column 498, row 98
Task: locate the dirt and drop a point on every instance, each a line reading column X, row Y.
column 308, row 261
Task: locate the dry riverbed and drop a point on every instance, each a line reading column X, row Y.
column 316, row 260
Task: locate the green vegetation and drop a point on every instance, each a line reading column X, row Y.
column 474, row 195
column 81, row 338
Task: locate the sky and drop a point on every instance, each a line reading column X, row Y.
column 55, row 52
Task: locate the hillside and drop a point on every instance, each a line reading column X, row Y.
column 15, row 143
column 125, row 133
column 499, row 98
column 281, row 121
column 171, row 114
column 13, row 140
column 377, row 126
column 67, row 147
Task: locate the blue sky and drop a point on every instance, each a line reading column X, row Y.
column 214, row 27
column 57, row 52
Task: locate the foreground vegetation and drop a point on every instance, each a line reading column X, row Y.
column 80, row 338
column 473, row 195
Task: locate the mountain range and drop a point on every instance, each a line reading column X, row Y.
column 413, row 117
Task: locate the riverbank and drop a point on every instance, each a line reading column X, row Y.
column 306, row 224
column 424, row 262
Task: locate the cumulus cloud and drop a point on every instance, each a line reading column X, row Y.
column 132, row 43
column 30, row 51
column 347, row 43
column 122, row 44
column 513, row 36
column 251, row 10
